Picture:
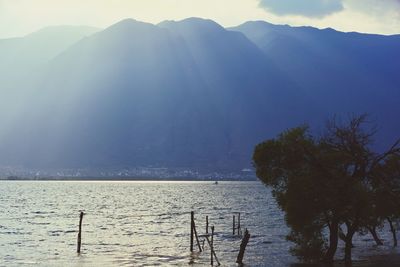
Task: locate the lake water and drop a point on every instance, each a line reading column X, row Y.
column 139, row 223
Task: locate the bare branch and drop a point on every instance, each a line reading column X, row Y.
column 393, row 150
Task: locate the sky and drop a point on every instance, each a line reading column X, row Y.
column 20, row 17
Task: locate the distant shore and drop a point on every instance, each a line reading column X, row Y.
column 113, row 179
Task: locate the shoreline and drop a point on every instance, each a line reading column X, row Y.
column 118, row 179
column 108, row 179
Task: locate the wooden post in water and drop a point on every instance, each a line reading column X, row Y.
column 243, row 245
column 206, row 224
column 213, row 250
column 191, row 230
column 233, row 225
column 78, row 250
column 239, row 224
column 212, row 245
column 197, row 237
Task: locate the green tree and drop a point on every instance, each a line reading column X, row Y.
column 386, row 189
column 321, row 183
column 300, row 186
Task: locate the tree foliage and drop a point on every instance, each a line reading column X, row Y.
column 331, row 180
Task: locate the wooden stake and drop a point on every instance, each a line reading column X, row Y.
column 197, row 238
column 213, row 252
column 78, row 250
column 243, row 245
column 233, row 225
column 212, row 245
column 239, row 224
column 206, row 224
column 191, row 230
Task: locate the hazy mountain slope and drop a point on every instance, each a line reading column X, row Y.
column 345, row 72
column 245, row 88
column 310, row 48
column 21, row 62
column 193, row 94
column 34, row 50
column 137, row 94
column 92, row 92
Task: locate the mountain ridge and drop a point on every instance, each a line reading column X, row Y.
column 191, row 94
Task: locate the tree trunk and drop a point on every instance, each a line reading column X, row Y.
column 347, row 253
column 342, row 236
column 333, row 241
column 348, row 245
column 393, row 230
column 374, row 234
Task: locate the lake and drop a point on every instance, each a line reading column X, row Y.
column 134, row 223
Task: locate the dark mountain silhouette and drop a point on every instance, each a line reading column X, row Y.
column 342, row 72
column 192, row 94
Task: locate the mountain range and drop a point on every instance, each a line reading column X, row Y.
column 184, row 94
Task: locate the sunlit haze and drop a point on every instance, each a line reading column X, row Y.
column 270, row 127
column 20, row 17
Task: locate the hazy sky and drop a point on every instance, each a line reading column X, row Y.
column 19, row 17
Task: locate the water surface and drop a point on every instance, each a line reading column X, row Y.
column 139, row 223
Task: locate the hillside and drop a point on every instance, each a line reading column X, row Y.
column 191, row 94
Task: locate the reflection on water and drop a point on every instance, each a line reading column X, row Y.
column 137, row 223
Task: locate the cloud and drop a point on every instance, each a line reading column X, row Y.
column 374, row 7
column 305, row 8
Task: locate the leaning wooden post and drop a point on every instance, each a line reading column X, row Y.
column 243, row 245
column 233, row 225
column 197, row 237
column 212, row 245
column 213, row 250
column 206, row 224
column 80, row 233
column 191, row 230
